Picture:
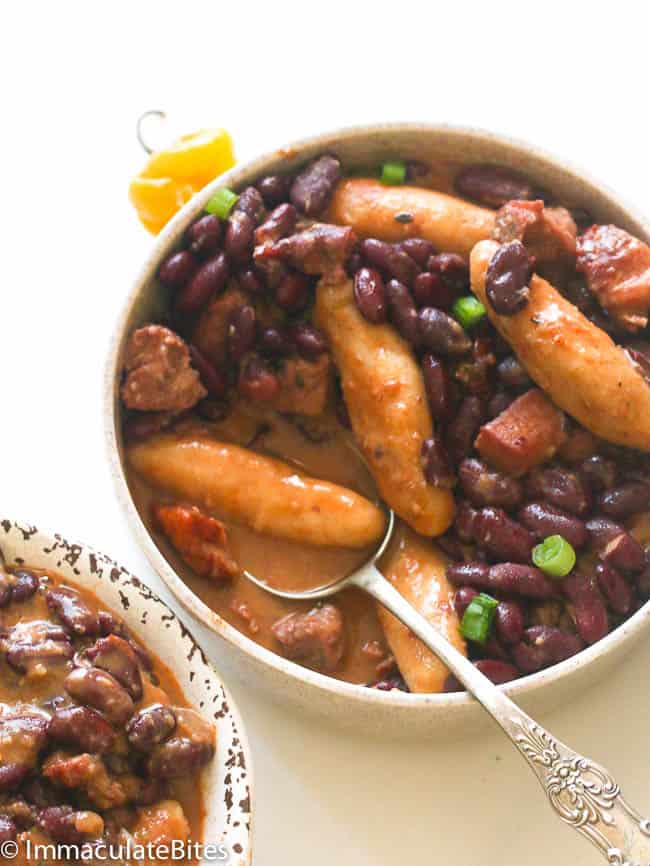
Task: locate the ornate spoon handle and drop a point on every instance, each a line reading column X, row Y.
column 582, row 793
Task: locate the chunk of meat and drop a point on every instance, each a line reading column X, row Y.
column 64, row 825
column 304, row 386
column 369, row 207
column 416, row 568
column 159, row 377
column 89, row 774
column 617, row 268
column 315, row 638
column 528, row 432
column 259, row 491
column 321, row 249
column 200, row 540
column 385, row 396
column 548, row 233
column 23, row 733
column 575, row 362
column 161, row 824
column 210, row 334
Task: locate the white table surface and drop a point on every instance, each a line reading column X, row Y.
column 74, row 78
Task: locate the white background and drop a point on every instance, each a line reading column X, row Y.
column 571, row 77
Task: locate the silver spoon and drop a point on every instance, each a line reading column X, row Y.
column 582, row 793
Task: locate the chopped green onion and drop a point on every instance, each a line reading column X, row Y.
column 469, row 311
column 554, row 556
column 393, row 173
column 222, row 202
column 477, row 619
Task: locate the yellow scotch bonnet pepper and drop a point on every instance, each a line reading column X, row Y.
column 172, row 176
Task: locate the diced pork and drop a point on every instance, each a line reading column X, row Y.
column 617, row 268
column 315, row 638
column 548, row 233
column 304, row 386
column 159, row 377
column 321, row 249
column 200, row 540
column 528, row 432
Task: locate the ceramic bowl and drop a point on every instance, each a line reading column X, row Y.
column 226, row 781
column 385, row 713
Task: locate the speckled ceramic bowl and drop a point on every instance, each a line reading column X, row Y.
column 226, row 781
column 393, row 713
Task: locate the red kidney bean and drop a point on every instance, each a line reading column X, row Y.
column 452, row 268
column 499, row 403
column 73, row 611
column 276, row 342
column 212, row 378
column 485, row 486
column 598, row 473
column 390, row 260
column 509, row 622
column 38, row 642
column 464, row 522
column 177, row 269
column 561, row 487
column 614, row 544
column 436, row 384
column 440, row 333
column 250, row 202
column 492, row 649
column 513, row 578
column 242, row 331
column 207, row 281
column 179, row 757
column 435, row 464
column 308, row 340
column 274, row 189
column 492, row 185
column 419, row 249
column 507, row 278
column 293, row 291
column 279, row 223
column 24, row 586
column 615, row 588
column 544, row 520
column 204, row 236
column 472, row 574
column 577, row 446
column 313, row 187
column 512, row 374
column 589, row 609
column 503, row 537
column 115, row 656
column 643, row 579
column 12, row 775
column 97, row 689
column 8, row 829
column 61, row 824
column 462, row 598
column 450, row 546
column 251, row 281
column 354, row 263
column 238, row 242
column 402, row 311
column 85, row 729
column 544, row 645
column 150, row 726
column 463, row 428
column 496, row 671
column 258, row 382
column 5, row 590
column 429, row 290
column 627, row 499
column 370, row 295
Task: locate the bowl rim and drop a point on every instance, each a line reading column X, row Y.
column 167, row 240
column 87, row 566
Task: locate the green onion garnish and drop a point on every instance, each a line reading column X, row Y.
column 393, row 173
column 222, row 202
column 554, row 556
column 477, row 619
column 469, row 311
